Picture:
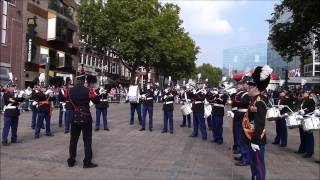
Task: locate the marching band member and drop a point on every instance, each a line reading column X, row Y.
column 168, row 108
column 217, row 117
column 33, row 106
column 135, row 106
column 11, row 114
column 186, row 96
column 210, row 96
column 102, row 108
column 198, row 110
column 254, row 121
column 306, row 138
column 43, row 110
column 147, row 100
column 281, row 127
column 66, row 106
column 240, row 105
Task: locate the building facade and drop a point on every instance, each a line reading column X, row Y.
column 310, row 68
column 50, row 38
column 244, row 57
column 11, row 48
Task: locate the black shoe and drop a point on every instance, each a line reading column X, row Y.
column 33, row 128
column 189, row 126
column 210, row 129
column 90, row 165
column 131, row 123
column 283, row 145
column 66, row 132
column 204, row 139
column 193, row 135
column 50, row 134
column 219, row 142
column 97, row 129
column 163, row 131
column 42, row 127
column 274, row 142
column 307, row 156
column 236, row 152
column 182, row 125
column 237, row 158
column 142, row 129
column 171, row 132
column 213, row 141
column 5, row 144
column 71, row 163
column 317, row 161
column 298, row 152
column 241, row 164
column 37, row 136
column 106, row 129
column 150, row 129
column 60, row 125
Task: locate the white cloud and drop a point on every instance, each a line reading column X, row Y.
column 204, row 17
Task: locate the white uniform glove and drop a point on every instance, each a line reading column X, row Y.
column 285, row 115
column 194, row 91
column 317, row 112
column 49, row 91
column 281, row 107
column 230, row 114
column 34, row 103
column 255, row 147
column 301, row 112
column 166, row 90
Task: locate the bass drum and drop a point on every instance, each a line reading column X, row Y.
column 133, row 94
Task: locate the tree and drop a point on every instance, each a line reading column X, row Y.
column 295, row 37
column 141, row 33
column 213, row 74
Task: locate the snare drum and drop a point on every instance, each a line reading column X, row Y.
column 293, row 121
column 186, row 109
column 311, row 123
column 273, row 114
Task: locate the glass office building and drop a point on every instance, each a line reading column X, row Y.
column 244, row 57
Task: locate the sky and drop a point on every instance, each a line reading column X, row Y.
column 218, row 24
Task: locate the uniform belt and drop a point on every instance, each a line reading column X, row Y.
column 169, row 102
column 149, row 98
column 103, row 100
column 218, row 105
column 242, row 110
column 198, row 102
column 234, row 108
column 10, row 107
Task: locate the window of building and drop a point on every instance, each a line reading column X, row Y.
column 113, row 68
column 61, row 59
column 4, row 26
column 82, row 59
column 87, row 60
column 44, row 54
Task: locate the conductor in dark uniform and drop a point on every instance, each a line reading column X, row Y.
column 79, row 97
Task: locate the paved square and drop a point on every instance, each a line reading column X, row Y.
column 126, row 153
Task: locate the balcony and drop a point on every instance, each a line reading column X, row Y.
column 61, row 8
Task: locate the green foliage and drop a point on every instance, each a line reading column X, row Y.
column 294, row 37
column 213, row 74
column 141, row 32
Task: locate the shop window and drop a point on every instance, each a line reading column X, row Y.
column 44, row 54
